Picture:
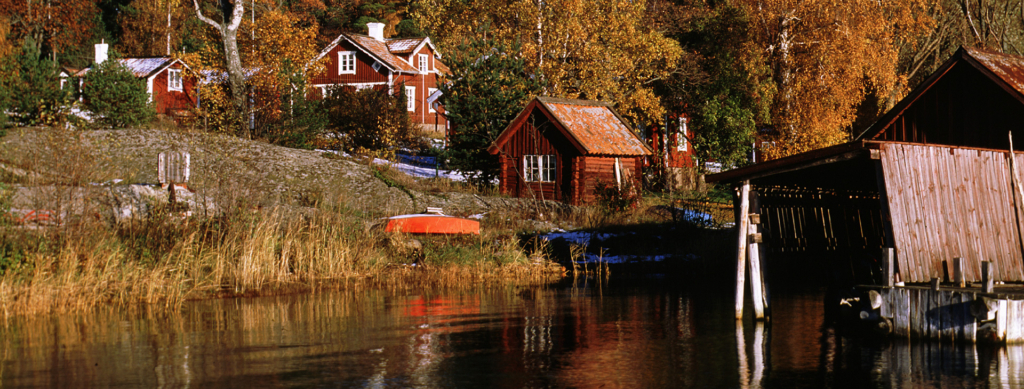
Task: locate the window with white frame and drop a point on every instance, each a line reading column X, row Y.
column 346, row 62
column 683, row 138
column 410, row 98
column 174, row 79
column 376, row 66
column 539, row 168
column 430, row 92
column 424, row 63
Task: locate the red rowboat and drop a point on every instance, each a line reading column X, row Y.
column 426, row 223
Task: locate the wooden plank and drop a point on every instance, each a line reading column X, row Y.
column 741, row 255
column 901, row 312
column 1001, row 320
column 754, row 261
column 1015, row 322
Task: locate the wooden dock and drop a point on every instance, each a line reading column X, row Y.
column 947, row 314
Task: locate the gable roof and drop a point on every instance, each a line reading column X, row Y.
column 141, row 67
column 1006, row 71
column 592, row 126
column 385, row 52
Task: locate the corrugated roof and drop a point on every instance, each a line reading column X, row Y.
column 596, row 126
column 141, row 67
column 380, row 50
column 1009, row 68
column 404, row 46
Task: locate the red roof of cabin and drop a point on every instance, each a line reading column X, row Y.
column 592, row 126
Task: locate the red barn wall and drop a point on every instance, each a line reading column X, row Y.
column 364, row 68
column 528, row 141
column 595, row 170
column 577, row 175
column 963, row 108
column 173, row 103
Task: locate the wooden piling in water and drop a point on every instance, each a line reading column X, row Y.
column 888, row 258
column 947, row 314
column 741, row 256
column 756, row 295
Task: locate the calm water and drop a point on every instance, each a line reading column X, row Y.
column 626, row 333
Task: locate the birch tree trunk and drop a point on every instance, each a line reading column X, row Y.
column 236, row 77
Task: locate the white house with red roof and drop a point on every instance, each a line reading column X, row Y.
column 371, row 61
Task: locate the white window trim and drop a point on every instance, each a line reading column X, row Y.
column 376, row 66
column 424, row 63
column 539, row 168
column 341, row 62
column 430, row 92
column 171, row 84
column 683, row 137
column 410, row 98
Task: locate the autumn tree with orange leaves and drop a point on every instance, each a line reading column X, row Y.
column 826, row 58
column 587, row 49
column 277, row 51
column 151, row 28
column 55, row 26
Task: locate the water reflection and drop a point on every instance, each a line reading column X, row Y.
column 623, row 334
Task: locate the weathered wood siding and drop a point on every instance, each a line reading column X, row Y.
column 945, row 315
column 597, row 170
column 529, row 141
column 364, row 68
column 922, row 313
column 963, row 108
column 949, row 202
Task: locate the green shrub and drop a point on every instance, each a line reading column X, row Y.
column 115, row 96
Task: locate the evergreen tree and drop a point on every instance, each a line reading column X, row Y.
column 115, row 96
column 487, row 88
column 713, row 85
column 31, row 87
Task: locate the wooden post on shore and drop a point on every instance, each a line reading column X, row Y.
column 986, row 277
column 741, row 255
column 754, row 238
column 888, row 257
column 958, row 272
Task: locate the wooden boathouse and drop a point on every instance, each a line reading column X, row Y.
column 928, row 195
column 562, row 149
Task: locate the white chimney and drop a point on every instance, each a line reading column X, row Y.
column 376, row 30
column 101, row 52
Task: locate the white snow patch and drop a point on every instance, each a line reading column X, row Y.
column 421, row 172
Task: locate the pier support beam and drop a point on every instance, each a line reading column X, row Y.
column 888, row 259
column 742, row 219
column 756, row 294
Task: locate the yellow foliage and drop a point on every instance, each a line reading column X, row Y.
column 274, row 50
column 146, row 30
column 826, row 57
column 590, row 49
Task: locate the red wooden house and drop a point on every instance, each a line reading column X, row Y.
column 170, row 84
column 362, row 61
column 673, row 152
column 560, row 149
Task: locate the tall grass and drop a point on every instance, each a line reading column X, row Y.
column 170, row 260
column 250, row 245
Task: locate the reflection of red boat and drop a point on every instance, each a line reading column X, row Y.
column 432, row 223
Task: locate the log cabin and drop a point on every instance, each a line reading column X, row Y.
column 562, row 149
